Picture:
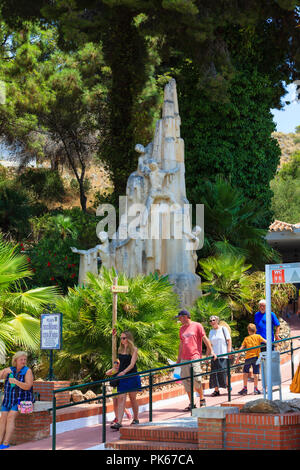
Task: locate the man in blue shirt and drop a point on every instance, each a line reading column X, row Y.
column 260, row 321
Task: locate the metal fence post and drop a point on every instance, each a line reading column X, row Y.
column 228, row 378
column 104, row 413
column 292, row 359
column 192, row 387
column 54, row 422
column 150, row 396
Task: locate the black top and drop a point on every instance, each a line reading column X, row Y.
column 125, row 360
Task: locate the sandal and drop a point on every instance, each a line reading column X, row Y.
column 202, row 402
column 116, row 426
column 189, row 408
column 135, row 421
column 215, row 394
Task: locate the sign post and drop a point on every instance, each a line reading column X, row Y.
column 115, row 290
column 276, row 274
column 51, row 336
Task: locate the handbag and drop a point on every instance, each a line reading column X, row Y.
column 25, row 407
column 231, row 357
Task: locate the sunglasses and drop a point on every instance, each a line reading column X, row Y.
column 210, row 321
column 123, row 337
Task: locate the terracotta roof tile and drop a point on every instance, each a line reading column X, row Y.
column 278, row 226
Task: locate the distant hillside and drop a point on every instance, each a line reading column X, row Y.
column 287, row 145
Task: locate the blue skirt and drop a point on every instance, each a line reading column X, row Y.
column 130, row 384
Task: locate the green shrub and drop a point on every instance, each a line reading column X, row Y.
column 55, row 233
column 16, row 208
column 147, row 310
column 45, row 184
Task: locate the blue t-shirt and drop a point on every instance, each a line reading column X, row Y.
column 260, row 321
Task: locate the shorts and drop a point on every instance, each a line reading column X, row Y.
column 186, row 372
column 251, row 362
column 7, row 409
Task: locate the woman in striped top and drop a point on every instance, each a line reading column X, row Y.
column 18, row 387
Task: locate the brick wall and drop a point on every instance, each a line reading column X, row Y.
column 31, row 427
column 45, row 388
column 263, row 431
column 211, row 433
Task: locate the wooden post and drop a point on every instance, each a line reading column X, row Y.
column 114, row 321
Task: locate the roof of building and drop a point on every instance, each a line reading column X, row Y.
column 278, row 226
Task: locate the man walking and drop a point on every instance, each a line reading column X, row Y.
column 191, row 336
column 260, row 320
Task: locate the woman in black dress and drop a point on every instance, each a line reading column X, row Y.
column 128, row 354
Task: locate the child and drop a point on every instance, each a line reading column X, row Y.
column 251, row 357
column 112, row 372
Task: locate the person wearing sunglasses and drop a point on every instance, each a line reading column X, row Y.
column 127, row 354
column 220, row 339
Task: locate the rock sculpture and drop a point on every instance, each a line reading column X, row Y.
column 155, row 232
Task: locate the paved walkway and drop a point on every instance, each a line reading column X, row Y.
column 90, row 437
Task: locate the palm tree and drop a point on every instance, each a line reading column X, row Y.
column 231, row 225
column 19, row 308
column 147, row 310
column 280, row 293
column 226, row 279
column 208, row 305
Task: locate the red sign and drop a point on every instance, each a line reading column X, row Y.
column 278, row 276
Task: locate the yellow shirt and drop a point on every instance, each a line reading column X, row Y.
column 251, row 341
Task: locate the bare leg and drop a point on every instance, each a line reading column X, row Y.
column 10, row 426
column 115, row 404
column 199, row 389
column 255, row 380
column 134, row 405
column 245, row 379
column 3, row 420
column 121, row 407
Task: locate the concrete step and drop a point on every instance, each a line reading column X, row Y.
column 149, row 445
column 160, row 433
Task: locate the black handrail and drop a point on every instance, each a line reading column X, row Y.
column 104, row 396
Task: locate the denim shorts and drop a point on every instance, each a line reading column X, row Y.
column 7, row 409
column 251, row 362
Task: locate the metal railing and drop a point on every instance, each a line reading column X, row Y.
column 103, row 397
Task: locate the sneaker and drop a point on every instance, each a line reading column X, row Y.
column 114, row 421
column 189, row 408
column 135, row 421
column 116, row 426
column 257, row 392
column 216, row 393
column 243, row 391
column 202, row 402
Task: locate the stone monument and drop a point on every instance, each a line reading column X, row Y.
column 155, row 232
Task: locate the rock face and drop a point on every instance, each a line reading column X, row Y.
column 272, row 407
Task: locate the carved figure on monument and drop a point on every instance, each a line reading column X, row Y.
column 104, row 250
column 88, row 262
column 193, row 242
column 157, row 188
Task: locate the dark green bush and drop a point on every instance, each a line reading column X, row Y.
column 44, row 183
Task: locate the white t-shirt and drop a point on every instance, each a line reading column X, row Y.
column 217, row 339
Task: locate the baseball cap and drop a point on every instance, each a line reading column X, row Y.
column 182, row 313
